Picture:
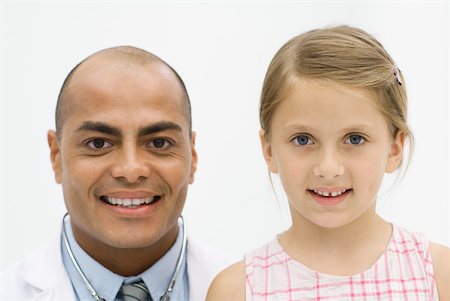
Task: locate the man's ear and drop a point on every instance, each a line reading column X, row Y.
column 55, row 154
column 396, row 153
column 267, row 152
column 194, row 159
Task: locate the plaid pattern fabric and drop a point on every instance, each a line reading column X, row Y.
column 403, row 272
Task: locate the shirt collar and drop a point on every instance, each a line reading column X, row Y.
column 158, row 277
column 107, row 284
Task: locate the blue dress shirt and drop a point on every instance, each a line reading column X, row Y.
column 107, row 284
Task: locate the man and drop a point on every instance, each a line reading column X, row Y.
column 124, row 153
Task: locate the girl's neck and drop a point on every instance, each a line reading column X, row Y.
column 346, row 250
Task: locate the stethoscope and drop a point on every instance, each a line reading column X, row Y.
column 167, row 293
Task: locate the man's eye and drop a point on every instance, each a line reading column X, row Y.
column 160, row 143
column 355, row 139
column 99, row 144
column 302, row 140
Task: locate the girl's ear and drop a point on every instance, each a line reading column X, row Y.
column 396, row 153
column 267, row 152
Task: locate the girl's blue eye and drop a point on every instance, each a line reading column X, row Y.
column 355, row 139
column 302, row 140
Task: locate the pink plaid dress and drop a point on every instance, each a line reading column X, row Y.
column 403, row 272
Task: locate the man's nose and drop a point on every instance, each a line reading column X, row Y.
column 131, row 165
column 329, row 164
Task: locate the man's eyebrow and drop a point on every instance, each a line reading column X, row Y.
column 95, row 126
column 159, row 127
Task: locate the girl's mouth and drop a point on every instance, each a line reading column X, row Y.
column 329, row 199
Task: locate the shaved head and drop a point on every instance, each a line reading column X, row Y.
column 126, row 55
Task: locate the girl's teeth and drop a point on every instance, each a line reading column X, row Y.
column 332, row 194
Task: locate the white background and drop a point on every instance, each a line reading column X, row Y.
column 221, row 50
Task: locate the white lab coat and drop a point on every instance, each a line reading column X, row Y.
column 42, row 276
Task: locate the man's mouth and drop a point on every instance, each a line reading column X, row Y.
column 129, row 202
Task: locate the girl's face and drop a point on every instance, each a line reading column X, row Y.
column 330, row 146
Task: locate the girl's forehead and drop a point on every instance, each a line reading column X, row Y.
column 325, row 86
column 306, row 92
column 327, row 103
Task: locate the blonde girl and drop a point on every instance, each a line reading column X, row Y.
column 333, row 121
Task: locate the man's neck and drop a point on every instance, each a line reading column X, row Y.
column 126, row 262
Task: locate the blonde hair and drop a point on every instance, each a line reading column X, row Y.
column 343, row 55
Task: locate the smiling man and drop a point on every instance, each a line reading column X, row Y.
column 124, row 153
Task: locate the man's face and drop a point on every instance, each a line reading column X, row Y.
column 125, row 157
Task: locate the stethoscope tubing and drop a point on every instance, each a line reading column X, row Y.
column 93, row 292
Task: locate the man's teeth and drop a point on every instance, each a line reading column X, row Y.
column 129, row 202
column 332, row 194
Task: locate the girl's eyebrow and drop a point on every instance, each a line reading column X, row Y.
column 360, row 127
column 298, row 128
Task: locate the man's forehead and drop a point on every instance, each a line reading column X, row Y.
column 126, row 101
column 118, row 65
column 131, row 77
column 123, row 55
column 109, row 75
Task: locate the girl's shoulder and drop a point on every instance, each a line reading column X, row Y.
column 441, row 268
column 436, row 256
column 229, row 284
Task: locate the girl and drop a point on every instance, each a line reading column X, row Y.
column 333, row 118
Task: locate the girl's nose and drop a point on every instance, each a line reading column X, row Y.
column 329, row 165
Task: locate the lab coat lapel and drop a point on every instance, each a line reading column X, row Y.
column 198, row 279
column 203, row 264
column 45, row 272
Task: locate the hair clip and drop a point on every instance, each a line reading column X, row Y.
column 397, row 75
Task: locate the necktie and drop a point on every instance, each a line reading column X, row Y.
column 136, row 291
